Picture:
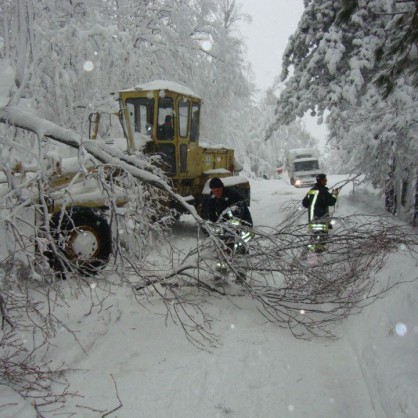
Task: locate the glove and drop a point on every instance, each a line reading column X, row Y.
column 335, row 192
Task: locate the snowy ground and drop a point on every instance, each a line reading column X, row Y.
column 257, row 370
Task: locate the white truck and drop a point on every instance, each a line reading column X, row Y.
column 302, row 166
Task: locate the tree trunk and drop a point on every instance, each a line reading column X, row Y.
column 390, row 195
column 415, row 208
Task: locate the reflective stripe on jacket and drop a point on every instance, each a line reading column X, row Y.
column 318, row 200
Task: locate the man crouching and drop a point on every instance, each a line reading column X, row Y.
column 221, row 198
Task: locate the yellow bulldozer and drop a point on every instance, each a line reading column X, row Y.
column 163, row 118
column 159, row 118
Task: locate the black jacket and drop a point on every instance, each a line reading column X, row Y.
column 230, row 197
column 318, row 200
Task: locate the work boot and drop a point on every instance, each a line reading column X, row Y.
column 241, row 278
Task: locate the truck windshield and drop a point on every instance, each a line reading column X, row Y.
column 306, row 165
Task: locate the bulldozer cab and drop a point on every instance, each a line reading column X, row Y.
column 162, row 118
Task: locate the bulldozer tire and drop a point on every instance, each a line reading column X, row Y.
column 84, row 237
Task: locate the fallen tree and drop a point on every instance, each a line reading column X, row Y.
column 295, row 289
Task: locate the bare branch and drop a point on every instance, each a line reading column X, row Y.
column 117, row 395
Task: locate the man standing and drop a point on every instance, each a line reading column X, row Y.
column 222, row 198
column 319, row 199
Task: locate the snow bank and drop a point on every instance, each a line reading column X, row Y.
column 13, row 405
column 385, row 340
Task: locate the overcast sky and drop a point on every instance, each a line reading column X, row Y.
column 273, row 21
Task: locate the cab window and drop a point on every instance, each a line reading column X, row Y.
column 184, row 107
column 165, row 129
column 194, row 129
column 141, row 114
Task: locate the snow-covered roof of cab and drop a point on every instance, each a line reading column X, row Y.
column 166, row 85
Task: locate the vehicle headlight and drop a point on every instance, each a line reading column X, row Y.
column 298, row 183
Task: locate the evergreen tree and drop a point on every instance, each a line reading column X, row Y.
column 342, row 59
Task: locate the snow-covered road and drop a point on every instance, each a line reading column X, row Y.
column 257, row 370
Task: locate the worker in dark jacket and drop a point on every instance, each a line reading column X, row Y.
column 319, row 199
column 222, row 198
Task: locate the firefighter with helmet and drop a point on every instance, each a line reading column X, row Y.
column 317, row 201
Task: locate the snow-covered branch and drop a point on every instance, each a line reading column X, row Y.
column 139, row 169
column 304, row 291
